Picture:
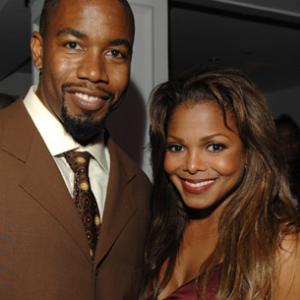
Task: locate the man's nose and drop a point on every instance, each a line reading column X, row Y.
column 93, row 67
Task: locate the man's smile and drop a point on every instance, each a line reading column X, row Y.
column 87, row 99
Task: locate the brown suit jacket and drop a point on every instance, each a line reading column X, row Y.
column 43, row 247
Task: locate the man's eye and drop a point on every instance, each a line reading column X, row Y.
column 72, row 45
column 215, row 147
column 116, row 53
column 174, row 148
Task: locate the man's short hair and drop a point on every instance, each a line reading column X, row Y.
column 50, row 4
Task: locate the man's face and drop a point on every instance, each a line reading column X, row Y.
column 84, row 59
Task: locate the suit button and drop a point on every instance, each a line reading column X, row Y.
column 91, row 253
column 97, row 220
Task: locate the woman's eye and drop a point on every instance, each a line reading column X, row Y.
column 72, row 45
column 215, row 147
column 174, row 148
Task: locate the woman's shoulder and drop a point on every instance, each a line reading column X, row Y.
column 289, row 244
column 288, row 259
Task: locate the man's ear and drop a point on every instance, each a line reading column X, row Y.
column 37, row 50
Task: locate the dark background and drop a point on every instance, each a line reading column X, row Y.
column 260, row 36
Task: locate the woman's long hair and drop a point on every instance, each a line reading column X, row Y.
column 259, row 212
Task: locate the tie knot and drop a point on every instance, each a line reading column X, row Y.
column 77, row 160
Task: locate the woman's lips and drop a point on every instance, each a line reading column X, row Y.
column 197, row 186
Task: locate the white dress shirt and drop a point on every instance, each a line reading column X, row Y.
column 59, row 141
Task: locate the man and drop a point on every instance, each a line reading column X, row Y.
column 5, row 100
column 59, row 238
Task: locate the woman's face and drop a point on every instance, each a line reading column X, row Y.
column 204, row 158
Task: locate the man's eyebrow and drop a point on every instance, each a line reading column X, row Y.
column 78, row 34
column 120, row 42
column 71, row 31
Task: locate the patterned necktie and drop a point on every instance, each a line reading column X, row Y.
column 83, row 196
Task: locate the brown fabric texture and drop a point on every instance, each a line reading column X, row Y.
column 44, row 252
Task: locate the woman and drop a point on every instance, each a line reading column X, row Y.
column 223, row 226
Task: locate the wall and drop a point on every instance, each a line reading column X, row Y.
column 276, row 47
column 286, row 101
column 287, row 10
column 14, row 50
column 16, row 85
column 286, row 6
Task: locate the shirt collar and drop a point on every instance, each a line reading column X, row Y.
column 53, row 133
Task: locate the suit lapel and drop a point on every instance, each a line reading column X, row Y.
column 41, row 178
column 43, row 182
column 119, row 207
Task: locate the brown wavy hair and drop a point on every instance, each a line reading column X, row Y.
column 259, row 214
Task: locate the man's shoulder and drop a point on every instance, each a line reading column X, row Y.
column 12, row 110
column 126, row 162
column 16, row 129
column 7, row 114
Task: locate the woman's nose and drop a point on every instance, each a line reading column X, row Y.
column 194, row 162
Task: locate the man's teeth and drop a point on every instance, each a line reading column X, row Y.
column 86, row 97
column 198, row 184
